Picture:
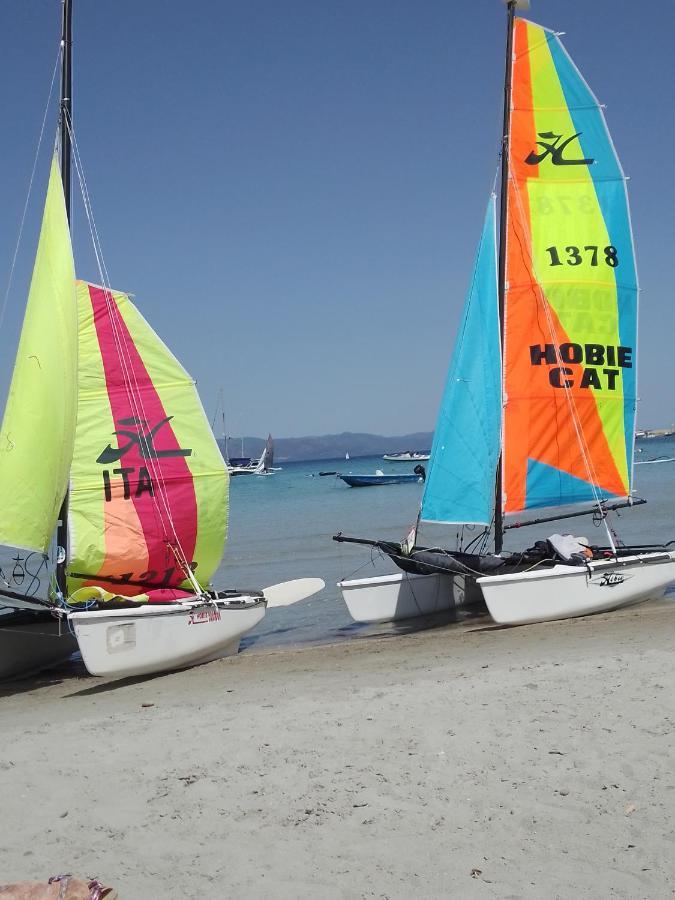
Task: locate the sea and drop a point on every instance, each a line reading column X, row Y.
column 281, row 527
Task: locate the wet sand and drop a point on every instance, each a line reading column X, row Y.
column 466, row 760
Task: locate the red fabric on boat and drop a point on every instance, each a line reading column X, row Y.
column 168, row 595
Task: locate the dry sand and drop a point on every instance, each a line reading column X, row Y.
column 464, row 761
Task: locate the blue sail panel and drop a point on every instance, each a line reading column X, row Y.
column 460, row 485
column 548, row 486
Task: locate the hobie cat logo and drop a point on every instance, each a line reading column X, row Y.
column 612, row 579
column 143, row 438
column 552, row 147
column 136, row 481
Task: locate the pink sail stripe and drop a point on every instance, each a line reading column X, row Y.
column 125, row 459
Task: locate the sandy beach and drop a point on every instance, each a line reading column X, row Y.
column 464, row 761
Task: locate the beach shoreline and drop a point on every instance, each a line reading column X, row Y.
column 467, row 759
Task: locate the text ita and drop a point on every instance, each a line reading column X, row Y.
column 135, row 482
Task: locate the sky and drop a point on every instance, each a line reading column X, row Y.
column 294, row 191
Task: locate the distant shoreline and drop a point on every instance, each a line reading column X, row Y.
column 314, row 448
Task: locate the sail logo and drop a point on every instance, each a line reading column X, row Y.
column 135, row 480
column 601, row 364
column 144, row 440
column 553, row 148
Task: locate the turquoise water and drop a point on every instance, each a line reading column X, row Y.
column 281, row 528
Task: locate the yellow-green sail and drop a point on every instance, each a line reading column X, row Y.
column 38, row 429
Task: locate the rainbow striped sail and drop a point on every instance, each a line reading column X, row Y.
column 149, row 485
column 569, row 384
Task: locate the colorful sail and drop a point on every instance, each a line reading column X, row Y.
column 38, row 429
column 460, row 484
column 149, row 484
column 571, row 290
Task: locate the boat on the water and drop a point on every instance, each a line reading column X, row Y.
column 262, row 466
column 380, row 478
column 104, row 434
column 407, row 456
column 539, row 405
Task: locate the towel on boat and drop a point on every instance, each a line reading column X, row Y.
column 575, row 550
column 92, row 593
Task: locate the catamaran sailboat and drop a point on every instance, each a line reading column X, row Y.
column 539, row 406
column 104, row 433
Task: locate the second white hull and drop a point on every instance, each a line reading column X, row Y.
column 139, row 641
column 564, row 592
column 389, row 598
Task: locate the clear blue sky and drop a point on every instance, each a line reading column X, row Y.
column 294, row 190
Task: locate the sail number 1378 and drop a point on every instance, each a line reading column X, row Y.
column 592, row 254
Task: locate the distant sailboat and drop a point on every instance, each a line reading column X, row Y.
column 541, row 395
column 262, row 466
column 104, row 430
column 346, row 455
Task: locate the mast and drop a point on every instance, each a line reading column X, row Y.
column 65, row 119
column 503, row 209
column 222, row 413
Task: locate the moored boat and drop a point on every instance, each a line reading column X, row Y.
column 380, row 478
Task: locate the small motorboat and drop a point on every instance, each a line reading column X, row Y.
column 380, row 478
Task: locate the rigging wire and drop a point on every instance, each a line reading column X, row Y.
column 10, row 278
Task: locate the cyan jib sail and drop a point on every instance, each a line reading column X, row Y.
column 561, row 402
column 460, row 484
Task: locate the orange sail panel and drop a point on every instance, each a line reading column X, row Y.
column 570, row 292
column 148, row 481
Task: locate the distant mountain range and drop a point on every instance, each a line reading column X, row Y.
column 331, row 446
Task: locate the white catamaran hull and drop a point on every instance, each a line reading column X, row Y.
column 564, row 592
column 125, row 642
column 389, row 598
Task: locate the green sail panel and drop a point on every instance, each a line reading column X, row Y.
column 38, row 428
